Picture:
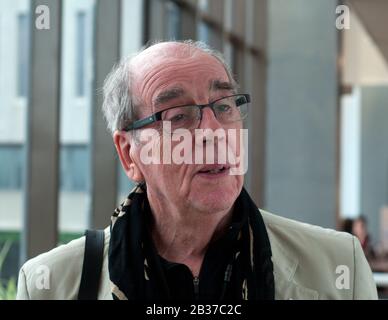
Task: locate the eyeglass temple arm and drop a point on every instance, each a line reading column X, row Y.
column 241, row 101
column 143, row 122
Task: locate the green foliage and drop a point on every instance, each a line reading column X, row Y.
column 7, row 288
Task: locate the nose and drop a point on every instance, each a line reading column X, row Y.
column 209, row 120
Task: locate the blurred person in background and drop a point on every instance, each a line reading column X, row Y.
column 359, row 228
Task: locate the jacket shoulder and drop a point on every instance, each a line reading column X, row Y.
column 281, row 224
column 329, row 262
column 56, row 274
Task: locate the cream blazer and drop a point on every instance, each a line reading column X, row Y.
column 310, row 262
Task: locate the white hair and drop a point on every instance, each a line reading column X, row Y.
column 119, row 103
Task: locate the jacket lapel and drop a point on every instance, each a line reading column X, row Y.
column 285, row 267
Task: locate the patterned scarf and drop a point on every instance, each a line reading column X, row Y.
column 134, row 267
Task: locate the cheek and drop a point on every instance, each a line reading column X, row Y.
column 148, row 148
column 165, row 177
column 236, row 145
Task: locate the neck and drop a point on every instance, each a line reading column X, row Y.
column 182, row 235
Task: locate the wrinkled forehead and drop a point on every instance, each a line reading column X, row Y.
column 170, row 65
column 166, row 51
column 166, row 56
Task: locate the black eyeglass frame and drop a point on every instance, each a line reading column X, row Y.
column 157, row 116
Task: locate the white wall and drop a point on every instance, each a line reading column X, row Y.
column 363, row 62
column 350, row 179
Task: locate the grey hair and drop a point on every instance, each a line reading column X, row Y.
column 119, row 103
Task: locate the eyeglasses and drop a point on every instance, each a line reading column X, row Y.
column 226, row 110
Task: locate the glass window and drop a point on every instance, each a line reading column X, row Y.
column 173, row 21
column 203, row 32
column 14, row 48
column 203, row 5
column 131, row 41
column 11, row 166
column 22, row 54
column 80, row 53
column 209, row 35
column 76, row 97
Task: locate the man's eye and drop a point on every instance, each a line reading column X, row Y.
column 178, row 117
column 224, row 108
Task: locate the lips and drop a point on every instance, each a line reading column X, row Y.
column 214, row 169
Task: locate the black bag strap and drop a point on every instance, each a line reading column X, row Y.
column 92, row 265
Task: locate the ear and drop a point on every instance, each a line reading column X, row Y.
column 123, row 145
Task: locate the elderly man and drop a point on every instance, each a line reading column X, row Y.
column 189, row 230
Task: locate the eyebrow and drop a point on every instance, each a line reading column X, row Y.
column 218, row 84
column 177, row 92
column 168, row 95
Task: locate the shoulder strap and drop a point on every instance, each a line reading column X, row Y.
column 92, row 265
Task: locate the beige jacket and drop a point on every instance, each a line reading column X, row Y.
column 309, row 263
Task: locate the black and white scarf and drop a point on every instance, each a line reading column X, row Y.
column 136, row 274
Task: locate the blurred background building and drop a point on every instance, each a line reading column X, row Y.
column 318, row 148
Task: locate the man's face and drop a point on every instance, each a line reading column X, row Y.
column 157, row 71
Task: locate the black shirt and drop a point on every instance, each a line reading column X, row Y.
column 210, row 283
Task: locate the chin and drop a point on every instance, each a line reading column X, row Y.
column 215, row 200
